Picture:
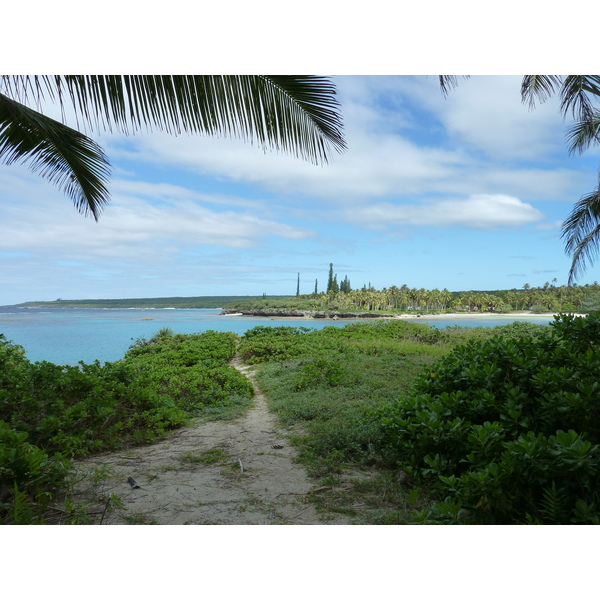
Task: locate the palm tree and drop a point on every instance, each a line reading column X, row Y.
column 581, row 229
column 581, row 232
column 298, row 114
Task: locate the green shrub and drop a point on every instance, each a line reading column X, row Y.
column 539, row 308
column 93, row 407
column 84, row 409
column 191, row 371
column 263, row 344
column 187, row 350
column 322, row 372
column 508, row 430
column 28, row 478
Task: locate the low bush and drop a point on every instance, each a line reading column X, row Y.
column 48, row 411
column 263, row 344
column 84, row 409
column 28, row 478
column 329, row 380
column 507, row 430
column 322, row 372
column 191, row 370
column 187, row 350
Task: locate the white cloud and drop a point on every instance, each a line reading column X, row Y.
column 477, row 160
column 167, row 191
column 403, row 138
column 375, row 165
column 486, row 114
column 35, row 217
column 479, row 211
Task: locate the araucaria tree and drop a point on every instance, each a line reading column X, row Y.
column 330, row 278
column 345, row 286
column 298, row 114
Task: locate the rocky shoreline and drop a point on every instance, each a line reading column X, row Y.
column 334, row 314
column 305, row 314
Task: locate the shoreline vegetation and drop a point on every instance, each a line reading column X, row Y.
column 334, row 315
column 414, row 424
column 395, row 421
column 181, row 302
column 343, row 302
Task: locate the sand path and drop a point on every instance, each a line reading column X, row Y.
column 217, row 473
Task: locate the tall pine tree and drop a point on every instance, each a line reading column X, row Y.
column 335, row 288
column 330, row 280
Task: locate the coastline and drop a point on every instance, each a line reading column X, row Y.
column 487, row 314
column 335, row 315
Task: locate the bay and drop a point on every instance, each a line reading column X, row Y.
column 67, row 336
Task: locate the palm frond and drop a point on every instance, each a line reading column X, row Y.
column 448, row 83
column 293, row 113
column 539, row 87
column 581, row 232
column 583, row 134
column 576, row 95
column 63, row 156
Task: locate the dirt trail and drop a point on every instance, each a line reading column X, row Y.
column 218, row 473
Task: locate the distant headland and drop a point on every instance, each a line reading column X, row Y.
column 171, row 302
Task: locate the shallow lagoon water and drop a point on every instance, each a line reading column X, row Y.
column 67, row 336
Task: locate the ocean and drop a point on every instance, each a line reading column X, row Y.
column 67, row 336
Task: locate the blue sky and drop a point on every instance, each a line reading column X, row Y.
column 463, row 192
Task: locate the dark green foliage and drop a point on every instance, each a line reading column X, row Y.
column 190, row 370
column 262, row 344
column 187, row 350
column 28, row 478
column 92, row 407
column 508, row 430
column 331, row 380
column 345, row 286
column 330, row 278
column 513, row 331
column 78, row 410
column 322, row 372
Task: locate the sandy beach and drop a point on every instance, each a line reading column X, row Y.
column 478, row 315
column 407, row 316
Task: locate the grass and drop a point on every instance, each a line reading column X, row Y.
column 139, row 519
column 230, row 465
column 330, row 406
column 330, row 394
column 327, row 386
column 237, row 406
column 206, row 457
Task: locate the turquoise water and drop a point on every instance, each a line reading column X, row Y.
column 67, row 336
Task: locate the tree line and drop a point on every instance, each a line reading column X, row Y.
column 547, row 298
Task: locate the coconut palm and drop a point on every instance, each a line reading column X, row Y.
column 581, row 229
column 297, row 114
